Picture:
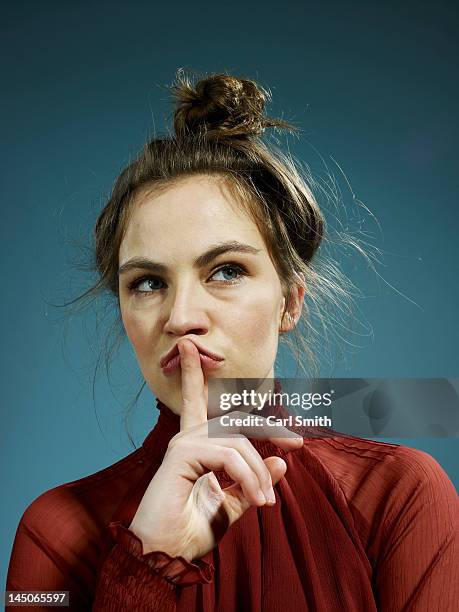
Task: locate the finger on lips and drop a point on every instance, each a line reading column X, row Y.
column 194, row 406
column 236, row 455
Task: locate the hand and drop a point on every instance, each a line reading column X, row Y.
column 184, row 511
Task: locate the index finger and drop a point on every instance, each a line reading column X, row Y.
column 194, row 404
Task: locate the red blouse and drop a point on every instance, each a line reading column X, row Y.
column 358, row 526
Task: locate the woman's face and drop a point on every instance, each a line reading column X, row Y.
column 231, row 304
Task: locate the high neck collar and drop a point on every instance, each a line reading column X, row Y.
column 167, row 425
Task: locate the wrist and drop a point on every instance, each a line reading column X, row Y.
column 175, row 570
column 151, row 545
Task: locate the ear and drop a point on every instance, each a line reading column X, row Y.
column 290, row 319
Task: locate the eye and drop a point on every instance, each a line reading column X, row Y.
column 150, row 281
column 234, row 268
column 153, row 283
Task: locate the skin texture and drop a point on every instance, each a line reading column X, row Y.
column 236, row 315
column 240, row 322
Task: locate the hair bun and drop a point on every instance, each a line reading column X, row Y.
column 221, row 105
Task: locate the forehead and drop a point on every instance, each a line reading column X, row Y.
column 195, row 210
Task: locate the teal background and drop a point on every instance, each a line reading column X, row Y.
column 372, row 85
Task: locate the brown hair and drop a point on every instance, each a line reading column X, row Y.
column 219, row 122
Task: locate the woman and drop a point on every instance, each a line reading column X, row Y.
column 190, row 522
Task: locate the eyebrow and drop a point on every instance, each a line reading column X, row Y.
column 202, row 260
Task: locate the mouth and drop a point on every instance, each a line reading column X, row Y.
column 171, row 361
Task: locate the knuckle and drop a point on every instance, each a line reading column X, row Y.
column 230, row 454
column 178, row 442
column 176, row 439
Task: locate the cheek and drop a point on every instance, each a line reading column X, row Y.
column 138, row 332
column 254, row 336
column 256, row 321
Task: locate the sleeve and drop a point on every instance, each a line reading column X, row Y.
column 55, row 549
column 37, row 566
column 418, row 565
column 131, row 580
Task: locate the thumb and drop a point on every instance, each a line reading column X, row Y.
column 235, row 501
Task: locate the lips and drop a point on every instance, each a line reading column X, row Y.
column 174, row 352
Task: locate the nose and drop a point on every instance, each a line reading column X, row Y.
column 185, row 314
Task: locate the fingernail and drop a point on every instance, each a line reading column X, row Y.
column 270, row 496
column 261, row 497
